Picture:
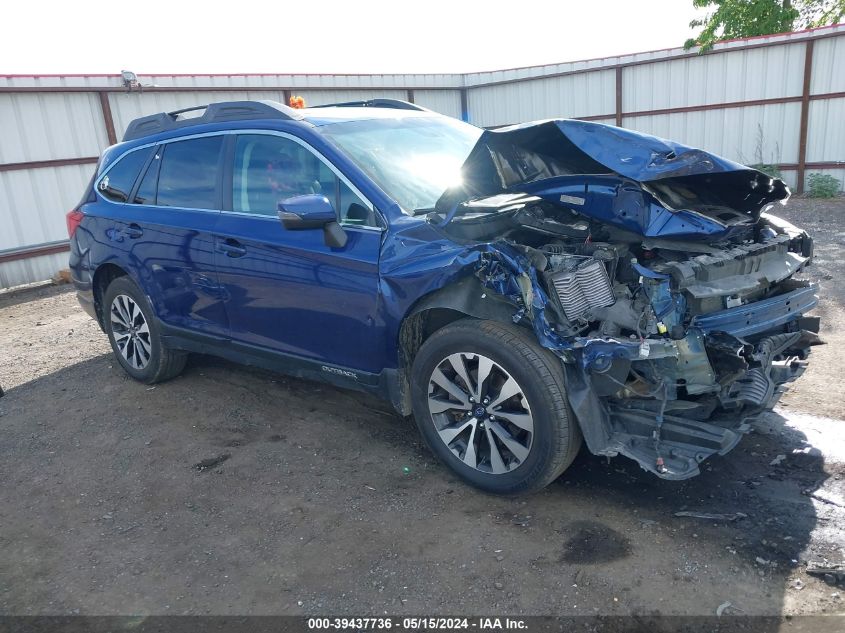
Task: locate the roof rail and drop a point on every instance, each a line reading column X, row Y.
column 213, row 113
column 396, row 104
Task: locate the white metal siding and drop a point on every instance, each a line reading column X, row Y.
column 828, row 66
column 474, row 79
column 558, row 97
column 446, row 102
column 25, row 271
column 49, row 126
column 33, row 204
column 761, row 73
column 734, row 133
column 59, row 81
column 826, row 131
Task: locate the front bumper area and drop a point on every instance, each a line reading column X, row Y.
column 669, row 432
column 673, row 445
column 760, row 316
column 683, row 443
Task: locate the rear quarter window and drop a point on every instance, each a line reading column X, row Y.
column 118, row 181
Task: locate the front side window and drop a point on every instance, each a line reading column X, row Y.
column 189, row 173
column 118, row 181
column 269, row 169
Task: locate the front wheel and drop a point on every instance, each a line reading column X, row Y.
column 491, row 404
column 134, row 334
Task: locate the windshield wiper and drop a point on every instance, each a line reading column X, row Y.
column 422, row 211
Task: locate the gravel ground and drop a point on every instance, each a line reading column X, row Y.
column 323, row 501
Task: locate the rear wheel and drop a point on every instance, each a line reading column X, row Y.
column 134, row 334
column 491, row 404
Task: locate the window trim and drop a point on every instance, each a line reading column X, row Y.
column 226, row 174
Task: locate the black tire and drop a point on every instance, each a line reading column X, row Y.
column 162, row 363
column 556, row 437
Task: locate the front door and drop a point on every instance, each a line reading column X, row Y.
column 286, row 290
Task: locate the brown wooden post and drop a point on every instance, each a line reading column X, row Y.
column 619, row 96
column 410, row 93
column 805, row 116
column 107, row 117
column 286, row 97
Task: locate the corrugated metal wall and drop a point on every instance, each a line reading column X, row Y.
column 569, row 96
column 826, row 128
column 743, row 100
column 39, row 127
column 446, row 102
column 745, row 75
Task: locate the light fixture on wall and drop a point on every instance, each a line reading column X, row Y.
column 130, row 79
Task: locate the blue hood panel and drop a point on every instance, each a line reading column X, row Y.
column 690, row 192
column 639, row 156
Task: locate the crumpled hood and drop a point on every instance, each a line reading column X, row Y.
column 634, row 155
column 522, row 158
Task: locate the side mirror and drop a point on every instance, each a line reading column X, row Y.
column 312, row 211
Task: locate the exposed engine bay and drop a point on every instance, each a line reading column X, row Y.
column 672, row 338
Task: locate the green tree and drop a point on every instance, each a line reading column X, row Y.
column 731, row 19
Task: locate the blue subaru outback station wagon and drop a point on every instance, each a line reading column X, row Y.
column 519, row 291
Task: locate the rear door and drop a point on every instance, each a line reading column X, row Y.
column 286, row 291
column 165, row 228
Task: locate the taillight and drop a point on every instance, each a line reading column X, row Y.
column 74, row 219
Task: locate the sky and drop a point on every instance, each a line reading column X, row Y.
column 328, row 36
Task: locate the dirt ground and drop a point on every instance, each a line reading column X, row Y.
column 327, row 502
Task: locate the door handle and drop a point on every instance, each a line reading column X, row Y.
column 133, row 231
column 232, row 248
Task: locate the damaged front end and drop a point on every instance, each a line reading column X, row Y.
column 652, row 270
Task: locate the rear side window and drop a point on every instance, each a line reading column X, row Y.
column 189, row 173
column 118, row 181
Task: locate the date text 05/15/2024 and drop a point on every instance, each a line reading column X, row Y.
column 416, row 623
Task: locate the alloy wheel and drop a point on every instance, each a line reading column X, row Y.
column 480, row 412
column 131, row 331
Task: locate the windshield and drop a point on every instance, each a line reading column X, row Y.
column 413, row 159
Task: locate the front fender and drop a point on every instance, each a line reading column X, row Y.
column 469, row 297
